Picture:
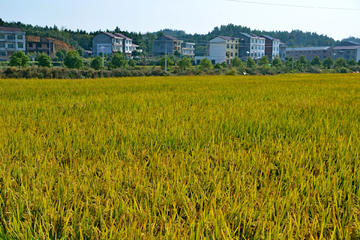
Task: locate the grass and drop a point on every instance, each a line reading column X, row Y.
column 211, row 157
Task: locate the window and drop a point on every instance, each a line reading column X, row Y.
column 232, row 54
column 227, row 45
column 10, row 45
column 235, row 54
column 2, row 36
column 20, row 37
column 10, row 37
column 30, row 45
column 236, row 46
column 20, row 45
column 232, row 46
column 2, row 45
column 38, row 45
column 2, row 53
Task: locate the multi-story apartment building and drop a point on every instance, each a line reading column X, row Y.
column 187, row 49
column 347, row 50
column 39, row 45
column 309, row 52
column 272, row 47
column 250, row 45
column 110, row 43
column 11, row 39
column 171, row 44
column 223, row 49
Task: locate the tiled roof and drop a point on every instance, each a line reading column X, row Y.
column 226, row 38
column 269, row 37
column 10, row 29
column 110, row 34
column 308, row 48
column 171, row 37
column 123, row 36
column 346, row 47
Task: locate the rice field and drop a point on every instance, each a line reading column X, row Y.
column 209, row 157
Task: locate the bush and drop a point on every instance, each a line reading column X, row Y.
column 344, row 70
column 231, row 72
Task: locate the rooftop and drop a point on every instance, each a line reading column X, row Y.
column 346, row 47
column 269, row 37
column 10, row 29
column 308, row 48
column 171, row 37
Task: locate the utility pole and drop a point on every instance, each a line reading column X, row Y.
column 165, row 56
column 293, row 60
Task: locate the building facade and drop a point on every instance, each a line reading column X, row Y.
column 12, row 39
column 171, row 44
column 187, row 49
column 309, row 52
column 223, row 49
column 109, row 43
column 347, row 50
column 282, row 51
column 40, row 45
column 250, row 45
column 272, row 47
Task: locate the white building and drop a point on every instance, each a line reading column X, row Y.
column 187, row 49
column 12, row 39
column 222, row 49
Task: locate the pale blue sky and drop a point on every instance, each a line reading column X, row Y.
column 192, row 16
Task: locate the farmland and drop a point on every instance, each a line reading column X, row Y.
column 215, row 157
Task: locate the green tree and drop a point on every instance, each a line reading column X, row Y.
column 340, row 62
column 250, row 62
column 80, row 50
column 132, row 63
column 169, row 63
column 135, row 53
column 264, row 61
column 301, row 63
column 73, row 60
column 277, row 61
column 96, row 63
column 205, row 64
column 19, row 59
column 61, row 54
column 177, row 53
column 224, row 64
column 236, row 62
column 160, row 34
column 289, row 62
column 218, row 66
column 184, row 63
column 315, row 61
column 118, row 61
column 351, row 62
column 44, row 61
column 328, row 62
column 358, row 62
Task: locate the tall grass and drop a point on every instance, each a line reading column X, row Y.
column 219, row 157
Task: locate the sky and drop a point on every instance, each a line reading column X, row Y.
column 192, row 16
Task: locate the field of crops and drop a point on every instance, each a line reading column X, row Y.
column 223, row 157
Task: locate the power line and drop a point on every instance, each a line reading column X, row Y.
column 297, row 6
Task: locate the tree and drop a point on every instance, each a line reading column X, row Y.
column 118, row 61
column 328, row 62
column 73, row 60
column 301, row 63
column 351, row 62
column 96, row 63
column 132, row 63
column 184, row 63
column 289, row 62
column 224, row 64
column 177, row 53
column 340, row 62
column 44, row 61
column 61, row 54
column 205, row 64
column 135, row 53
column 19, row 59
column 250, row 62
column 315, row 61
column 277, row 61
column 359, row 62
column 236, row 62
column 264, row 61
column 218, row 66
column 160, row 34
column 80, row 50
column 169, row 63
